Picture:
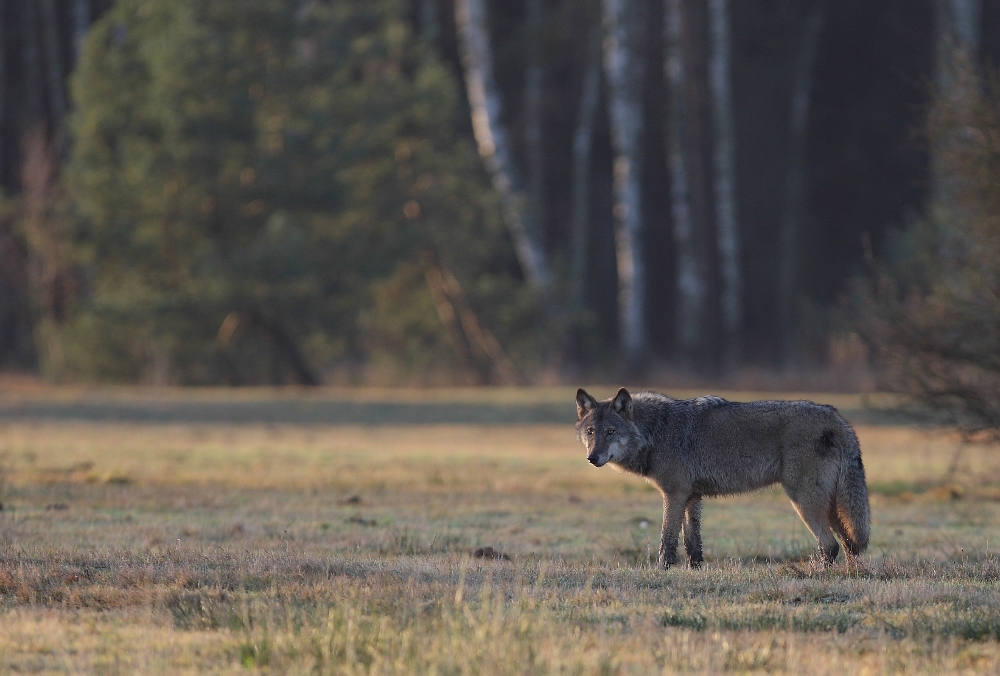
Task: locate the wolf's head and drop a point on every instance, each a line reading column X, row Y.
column 607, row 428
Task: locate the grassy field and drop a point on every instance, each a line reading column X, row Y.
column 331, row 532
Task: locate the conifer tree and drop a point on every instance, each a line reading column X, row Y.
column 252, row 177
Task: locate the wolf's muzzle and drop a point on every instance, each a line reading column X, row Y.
column 595, row 460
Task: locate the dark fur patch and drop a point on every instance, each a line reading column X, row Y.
column 825, row 444
column 706, row 486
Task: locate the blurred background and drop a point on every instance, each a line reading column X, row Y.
column 429, row 192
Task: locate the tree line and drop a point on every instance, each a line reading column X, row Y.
column 279, row 191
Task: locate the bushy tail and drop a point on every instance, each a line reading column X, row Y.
column 851, row 501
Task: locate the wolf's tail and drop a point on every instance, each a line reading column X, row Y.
column 850, row 509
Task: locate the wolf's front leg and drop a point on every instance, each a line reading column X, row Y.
column 673, row 515
column 692, row 531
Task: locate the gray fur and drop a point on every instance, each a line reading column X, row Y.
column 708, row 447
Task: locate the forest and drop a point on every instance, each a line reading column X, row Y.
column 481, row 192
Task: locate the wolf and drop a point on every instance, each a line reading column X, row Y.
column 706, row 447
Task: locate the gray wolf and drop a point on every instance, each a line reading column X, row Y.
column 705, row 447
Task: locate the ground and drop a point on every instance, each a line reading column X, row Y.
column 334, row 531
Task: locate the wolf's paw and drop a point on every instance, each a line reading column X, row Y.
column 666, row 562
column 828, row 554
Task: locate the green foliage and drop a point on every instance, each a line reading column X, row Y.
column 933, row 316
column 256, row 181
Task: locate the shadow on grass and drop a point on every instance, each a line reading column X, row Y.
column 305, row 411
column 343, row 407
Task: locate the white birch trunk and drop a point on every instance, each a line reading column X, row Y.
column 791, row 222
column 690, row 286
column 624, row 71
column 583, row 142
column 493, row 141
column 725, row 177
column 81, row 22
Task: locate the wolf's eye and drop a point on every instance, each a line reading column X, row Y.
column 590, row 431
column 611, row 432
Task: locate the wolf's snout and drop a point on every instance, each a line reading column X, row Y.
column 595, row 460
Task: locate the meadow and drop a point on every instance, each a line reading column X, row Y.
column 336, row 531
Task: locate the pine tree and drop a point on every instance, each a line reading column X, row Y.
column 252, row 176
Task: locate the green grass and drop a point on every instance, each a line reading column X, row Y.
column 133, row 540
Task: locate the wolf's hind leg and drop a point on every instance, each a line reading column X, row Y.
column 817, row 520
column 673, row 514
column 692, row 531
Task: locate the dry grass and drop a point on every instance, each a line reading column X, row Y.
column 154, row 545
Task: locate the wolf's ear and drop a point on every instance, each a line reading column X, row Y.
column 622, row 403
column 584, row 403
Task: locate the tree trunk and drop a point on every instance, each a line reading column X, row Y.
column 477, row 349
column 81, row 22
column 958, row 93
column 3, row 91
column 449, row 319
column 286, row 348
column 690, row 288
column 700, row 153
column 725, row 179
column 54, row 72
column 493, row 141
column 483, row 343
column 624, row 71
column 31, row 65
column 429, row 28
column 583, row 142
column 693, row 159
column 961, row 21
column 533, row 112
column 45, row 249
column 791, row 222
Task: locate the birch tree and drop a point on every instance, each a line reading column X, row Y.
column 493, row 140
column 794, row 189
column 583, row 142
column 693, row 155
column 690, row 289
column 533, row 112
column 719, row 76
column 624, row 71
